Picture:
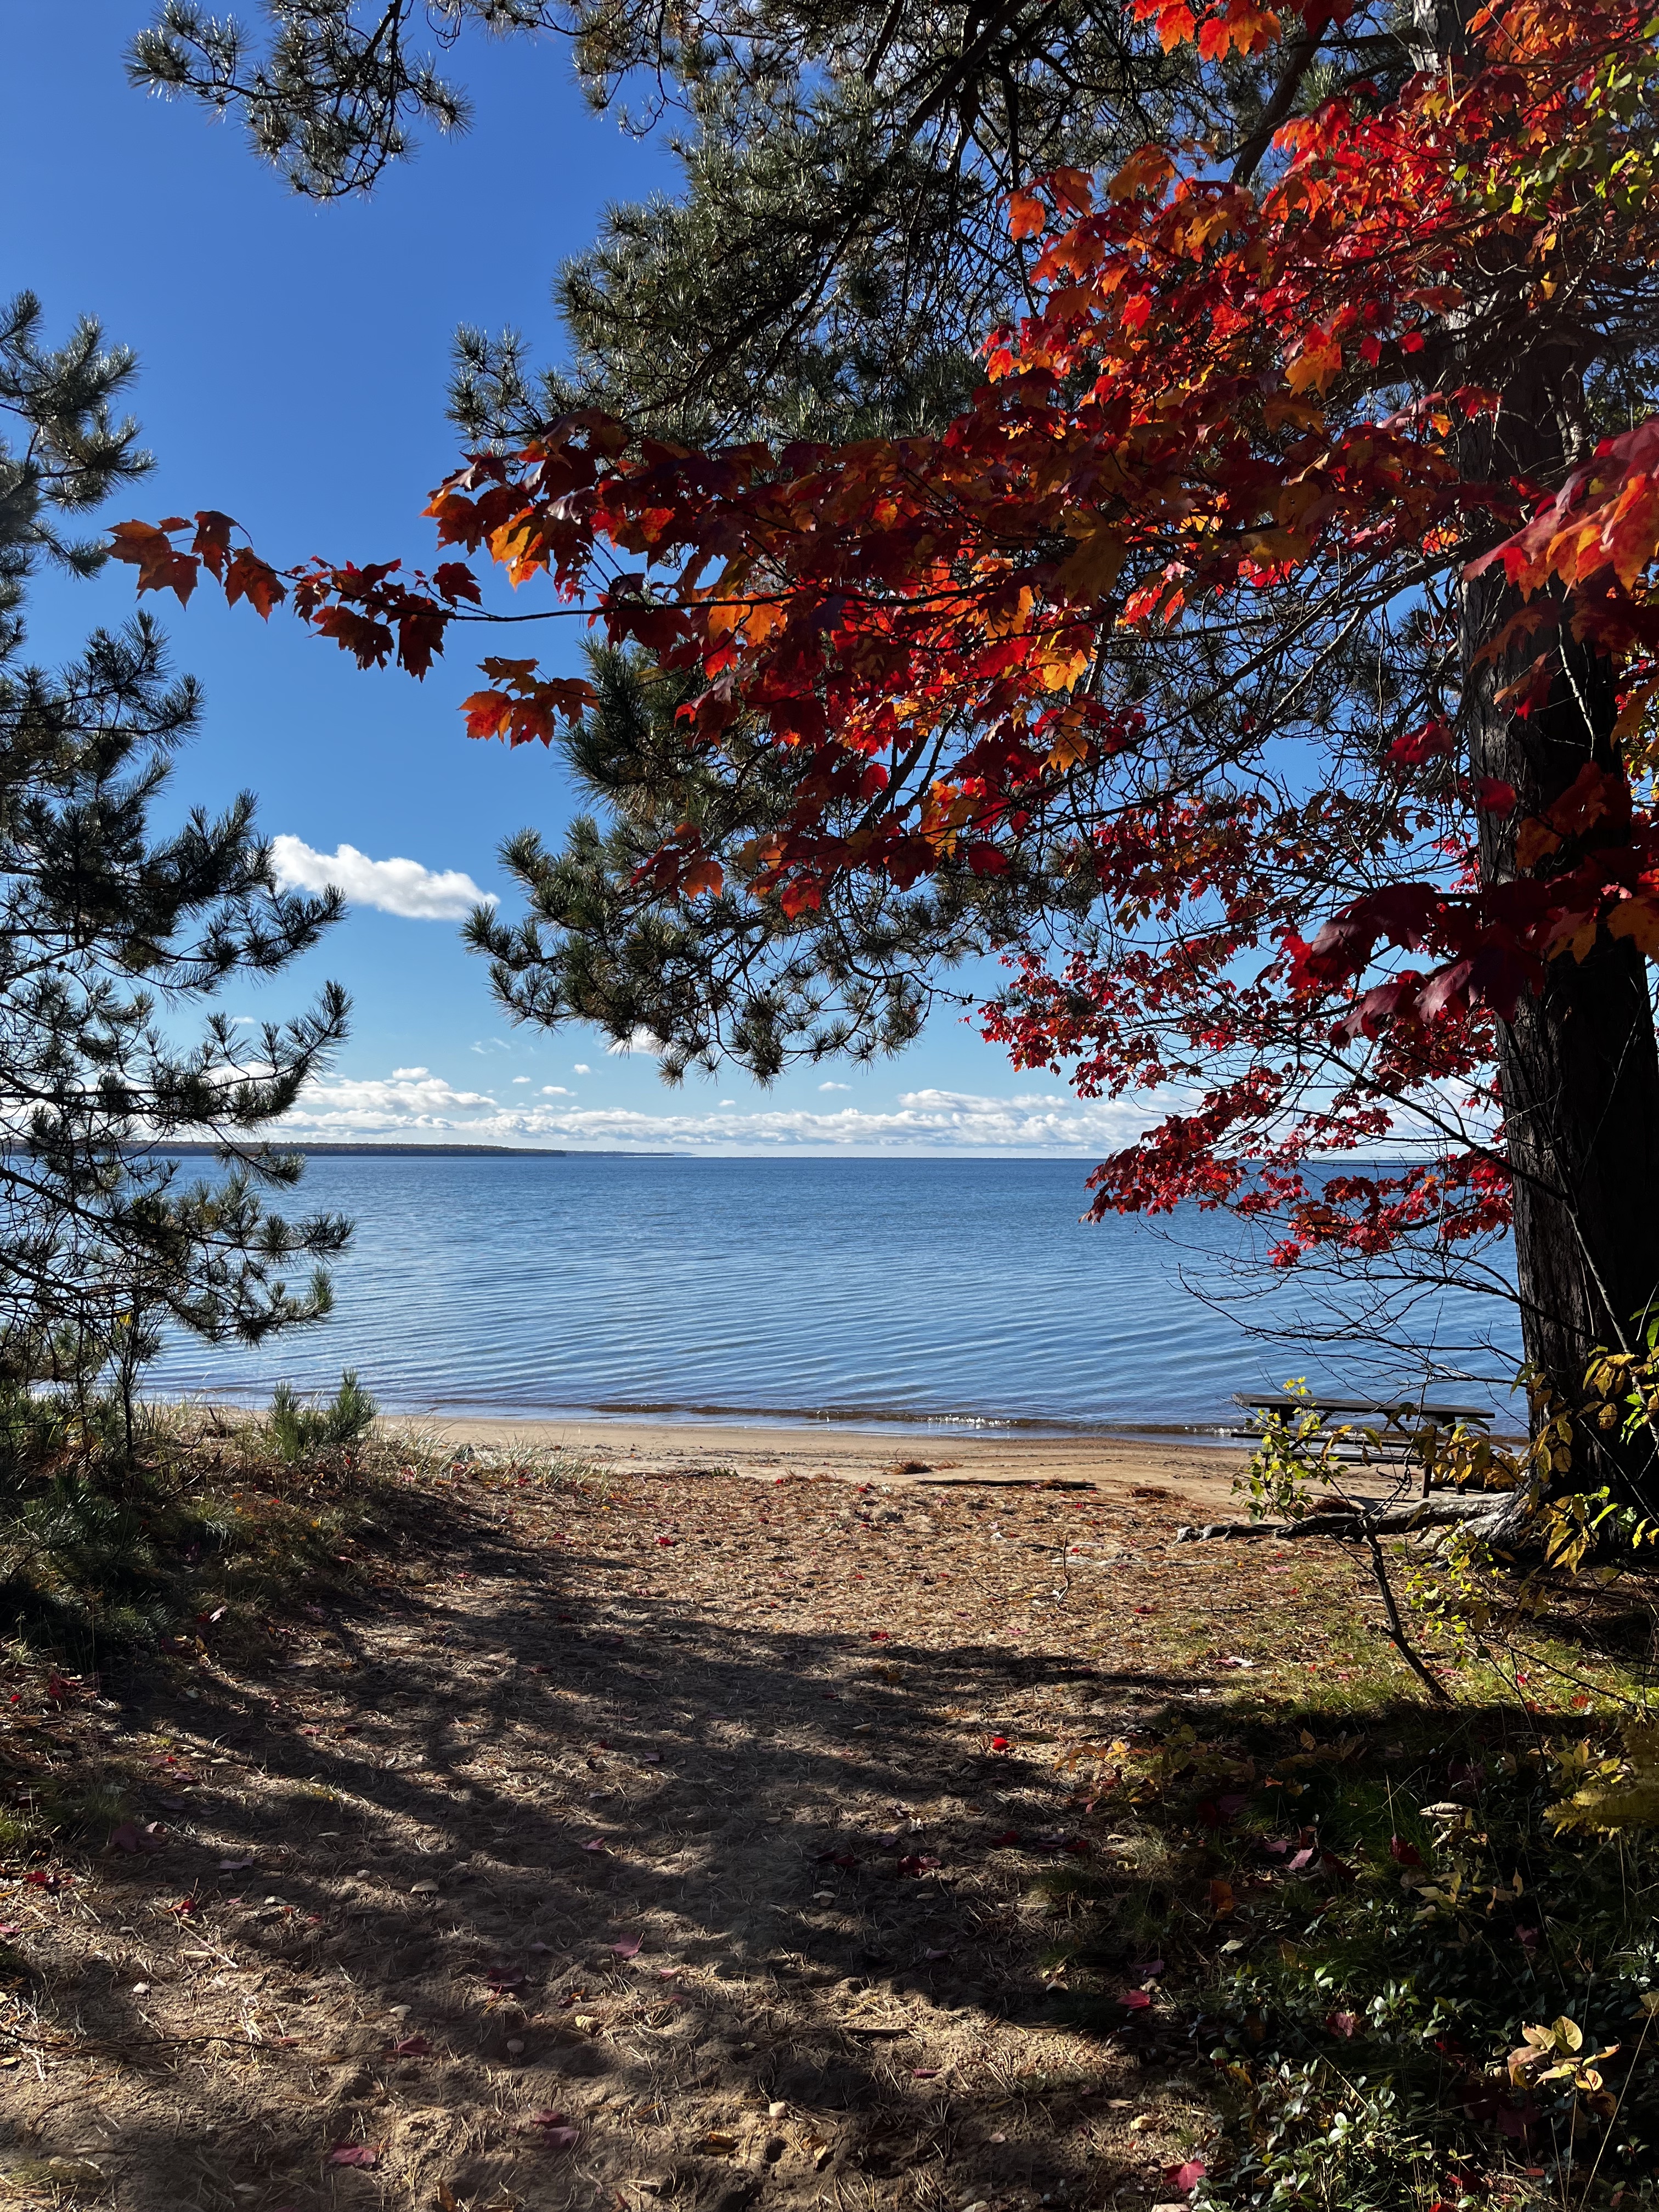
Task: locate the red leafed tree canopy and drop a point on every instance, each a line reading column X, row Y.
column 1264, row 660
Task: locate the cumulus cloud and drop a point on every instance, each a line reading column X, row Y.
column 641, row 1040
column 582, row 1068
column 419, row 1105
column 406, row 1104
column 835, row 1086
column 399, row 887
column 555, row 1090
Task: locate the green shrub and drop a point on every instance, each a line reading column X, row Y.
column 301, row 1430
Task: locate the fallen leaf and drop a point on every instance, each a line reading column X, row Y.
column 353, row 2155
column 719, row 2140
column 1136, row 2000
column 935, row 1954
column 129, row 1837
column 628, row 1948
column 555, row 2130
column 1406, row 1854
column 1221, row 1898
column 924, row 2073
column 412, row 2046
column 1186, row 2176
column 1344, row 2024
column 999, row 1743
column 233, row 1866
column 1147, row 1970
column 1000, row 1842
column 594, row 1844
column 916, row 1863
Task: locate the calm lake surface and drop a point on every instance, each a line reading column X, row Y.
column 964, row 1293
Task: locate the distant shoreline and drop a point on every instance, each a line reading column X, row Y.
column 399, row 1151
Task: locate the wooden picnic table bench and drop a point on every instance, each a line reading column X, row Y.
column 1392, row 1430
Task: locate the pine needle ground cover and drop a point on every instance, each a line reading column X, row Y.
column 562, row 1837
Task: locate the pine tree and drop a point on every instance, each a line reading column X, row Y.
column 109, row 933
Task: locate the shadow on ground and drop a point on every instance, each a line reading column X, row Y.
column 556, row 1872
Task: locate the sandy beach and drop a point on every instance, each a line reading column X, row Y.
column 1200, row 1474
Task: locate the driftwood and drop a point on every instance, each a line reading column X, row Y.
column 1483, row 1513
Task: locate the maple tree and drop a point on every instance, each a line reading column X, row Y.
column 1261, row 660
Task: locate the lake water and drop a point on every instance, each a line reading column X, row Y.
column 960, row 1292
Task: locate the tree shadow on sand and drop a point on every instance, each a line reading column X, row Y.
column 526, row 1897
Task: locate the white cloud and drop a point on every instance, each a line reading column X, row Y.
column 399, row 887
column 416, row 1104
column 582, row 1068
column 522, row 1079
column 640, row 1040
column 835, row 1086
column 410, row 1100
column 555, row 1090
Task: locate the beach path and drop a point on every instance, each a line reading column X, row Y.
column 709, row 1822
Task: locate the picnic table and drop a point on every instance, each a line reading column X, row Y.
column 1388, row 1431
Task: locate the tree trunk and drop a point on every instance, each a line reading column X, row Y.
column 1578, row 1062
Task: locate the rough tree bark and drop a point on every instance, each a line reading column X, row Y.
column 1578, row 1063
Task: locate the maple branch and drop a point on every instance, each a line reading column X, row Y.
column 1298, row 58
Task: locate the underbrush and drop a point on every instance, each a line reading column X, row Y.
column 197, row 1548
column 1406, row 1952
column 103, row 1551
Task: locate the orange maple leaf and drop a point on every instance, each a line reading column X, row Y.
column 161, row 567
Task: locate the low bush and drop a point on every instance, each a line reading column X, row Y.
column 1405, row 1976
column 302, row 1432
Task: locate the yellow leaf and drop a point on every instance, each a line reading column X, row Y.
column 1638, row 920
column 1070, row 746
column 1060, row 669
column 1316, row 364
column 1092, row 567
column 1147, row 170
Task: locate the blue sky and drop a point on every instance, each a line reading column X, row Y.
column 293, row 359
